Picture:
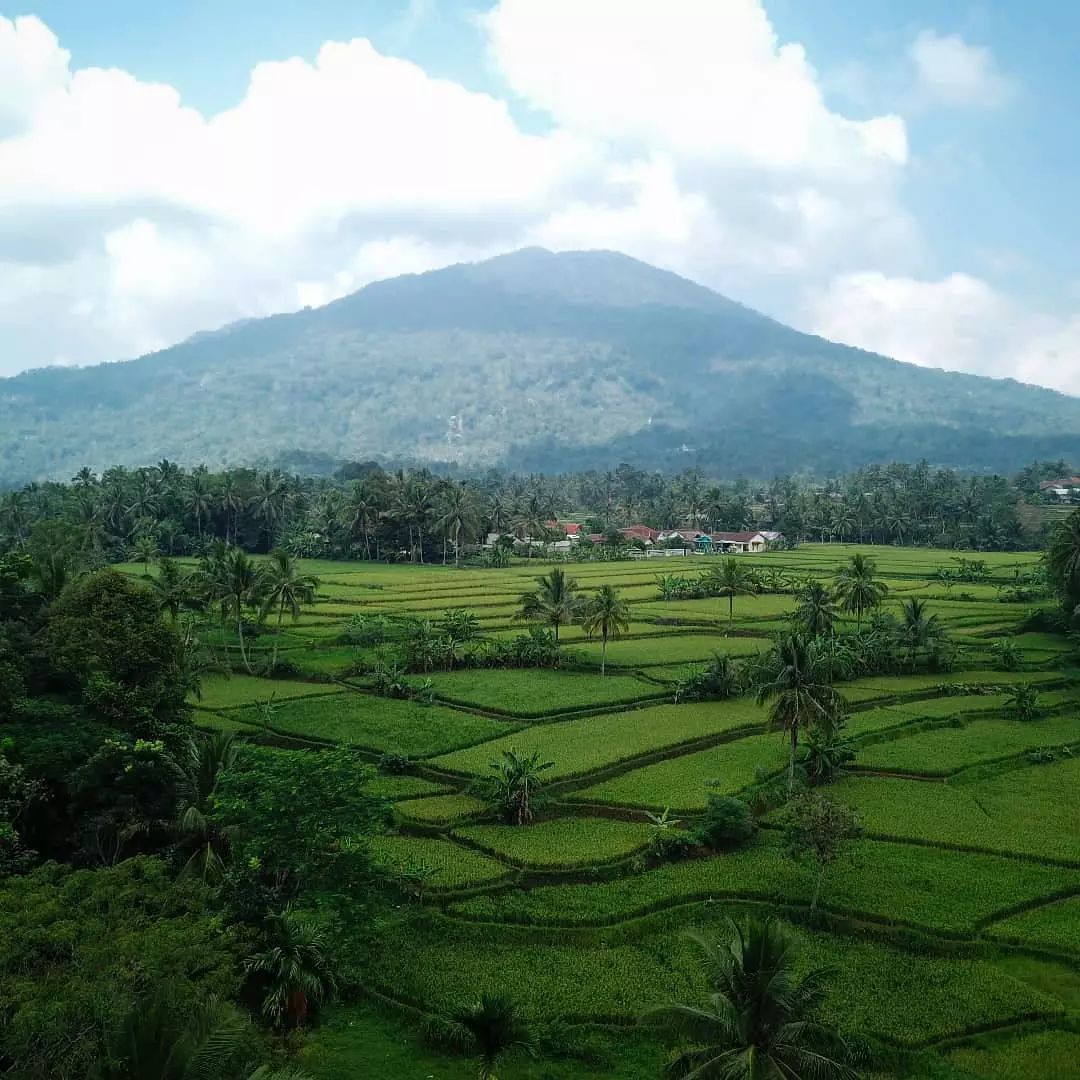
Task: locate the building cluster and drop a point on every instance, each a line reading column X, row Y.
column 659, row 542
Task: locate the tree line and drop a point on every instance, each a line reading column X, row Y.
column 368, row 513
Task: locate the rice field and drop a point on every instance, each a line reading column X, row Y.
column 949, row 926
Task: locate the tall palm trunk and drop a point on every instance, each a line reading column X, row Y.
column 603, row 653
column 791, row 759
column 277, row 637
column 240, row 634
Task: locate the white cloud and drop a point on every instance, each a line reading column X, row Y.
column 949, row 71
column 686, row 133
column 958, row 322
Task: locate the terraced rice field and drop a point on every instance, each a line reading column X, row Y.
column 952, row 930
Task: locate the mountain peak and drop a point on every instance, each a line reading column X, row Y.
column 591, row 277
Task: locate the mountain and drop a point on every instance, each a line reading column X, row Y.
column 533, row 360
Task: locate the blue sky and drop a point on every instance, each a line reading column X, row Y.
column 951, row 242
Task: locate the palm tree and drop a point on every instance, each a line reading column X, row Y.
column 857, row 589
column 211, row 756
column 800, row 694
column 607, row 614
column 515, row 784
column 556, row 601
column 173, row 588
column 230, row 502
column 918, row 629
column 731, row 578
column 294, row 967
column 756, row 1023
column 492, row 1028
column 268, row 501
column 198, row 501
column 284, row 587
column 529, row 521
column 1063, row 559
column 145, row 551
column 362, row 511
column 458, row 514
column 159, row 1041
column 816, row 613
column 236, row 583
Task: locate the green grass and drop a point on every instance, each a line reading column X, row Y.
column 442, row 809
column 868, row 721
column 670, row 649
column 1053, row 1055
column 684, row 783
column 944, row 750
column 1029, row 811
column 230, row 691
column 357, row 1041
column 874, row 989
column 531, row 693
column 383, row 724
column 451, row 866
column 910, row 684
column 405, row 787
column 561, row 842
column 941, row 890
column 1055, row 927
column 588, row 743
column 715, row 609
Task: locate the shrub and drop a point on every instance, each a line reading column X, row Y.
column 391, row 762
column 726, row 824
column 666, row 840
column 1024, row 703
column 716, row 682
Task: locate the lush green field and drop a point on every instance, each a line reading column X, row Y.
column 584, row 745
column 570, row 841
column 684, row 783
column 358, row 719
column 1055, row 927
column 1029, row 811
column 952, row 920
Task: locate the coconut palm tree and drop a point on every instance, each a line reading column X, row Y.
column 362, row 513
column 268, row 502
column 145, row 551
column 198, row 501
column 528, row 522
column 458, row 516
column 918, row 629
column 555, row 602
column 756, row 1023
column 1063, row 560
column 815, row 614
column 607, row 614
column 857, row 588
column 230, row 501
column 284, row 588
column 491, row 1029
column 800, row 694
column 236, row 583
column 293, row 968
column 173, row 588
column 730, row 578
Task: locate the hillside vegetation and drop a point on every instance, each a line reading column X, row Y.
column 531, row 360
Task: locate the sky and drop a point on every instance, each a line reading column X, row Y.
column 894, row 175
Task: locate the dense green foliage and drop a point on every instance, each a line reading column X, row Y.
column 282, row 880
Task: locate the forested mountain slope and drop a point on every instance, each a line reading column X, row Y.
column 536, row 361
